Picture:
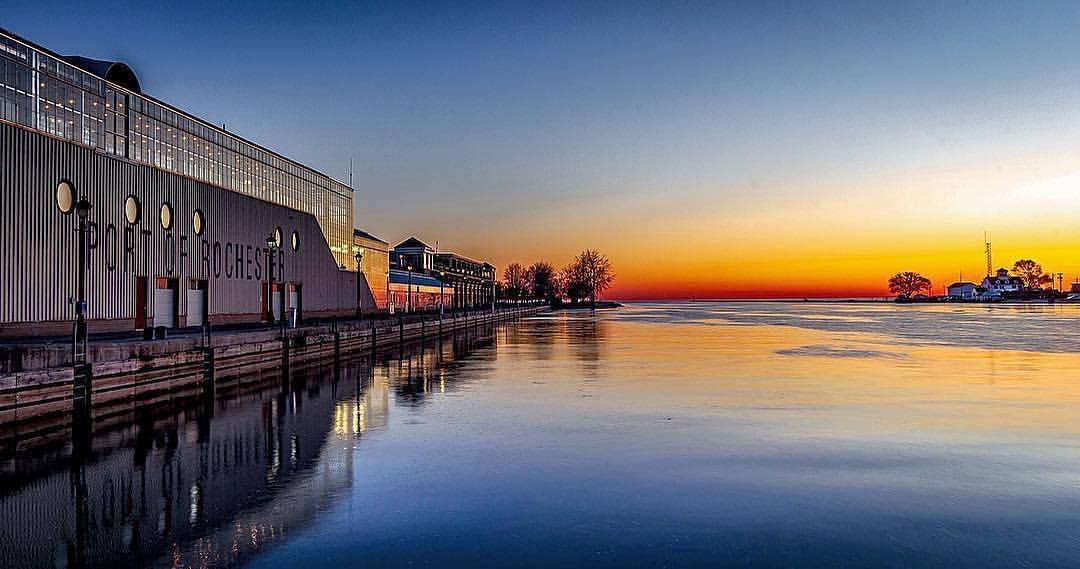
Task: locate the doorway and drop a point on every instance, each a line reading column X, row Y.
column 140, row 302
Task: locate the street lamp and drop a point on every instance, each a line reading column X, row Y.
column 82, row 209
column 442, row 278
column 359, row 281
column 271, row 245
column 408, row 297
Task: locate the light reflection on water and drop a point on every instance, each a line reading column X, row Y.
column 692, row 434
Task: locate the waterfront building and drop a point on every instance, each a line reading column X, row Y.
column 413, row 253
column 185, row 222
column 472, row 281
column 417, row 292
column 374, row 258
column 1001, row 284
column 963, row 290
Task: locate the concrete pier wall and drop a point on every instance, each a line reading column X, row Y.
column 37, row 382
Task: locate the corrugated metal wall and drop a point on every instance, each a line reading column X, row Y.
column 38, row 256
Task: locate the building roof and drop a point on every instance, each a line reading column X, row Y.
column 457, row 256
column 366, row 235
column 963, row 283
column 412, row 242
column 398, row 276
column 118, row 73
column 114, row 71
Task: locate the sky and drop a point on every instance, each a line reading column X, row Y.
column 744, row 149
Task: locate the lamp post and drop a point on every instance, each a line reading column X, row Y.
column 271, row 245
column 408, row 290
column 442, row 278
column 359, row 282
column 82, row 209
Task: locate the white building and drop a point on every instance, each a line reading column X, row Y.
column 963, row 290
column 1001, row 284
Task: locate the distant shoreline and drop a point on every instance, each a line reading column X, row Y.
column 871, row 300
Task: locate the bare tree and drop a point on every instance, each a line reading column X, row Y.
column 595, row 271
column 908, row 283
column 542, row 281
column 572, row 283
column 1032, row 273
column 514, row 281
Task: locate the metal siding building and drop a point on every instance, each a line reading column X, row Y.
column 376, row 269
column 239, row 207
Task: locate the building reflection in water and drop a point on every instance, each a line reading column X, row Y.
column 211, row 480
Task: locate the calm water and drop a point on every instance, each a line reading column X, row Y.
column 655, row 435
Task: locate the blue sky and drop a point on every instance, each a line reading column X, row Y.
column 493, row 127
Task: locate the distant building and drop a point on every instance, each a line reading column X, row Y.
column 963, row 290
column 375, row 267
column 416, row 292
column 1002, row 284
column 413, row 254
column 472, row 281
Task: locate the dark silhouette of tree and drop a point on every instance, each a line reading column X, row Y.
column 908, row 283
column 572, row 283
column 1031, row 273
column 514, row 283
column 542, row 281
column 595, row 271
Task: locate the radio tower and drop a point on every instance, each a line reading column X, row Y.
column 989, row 256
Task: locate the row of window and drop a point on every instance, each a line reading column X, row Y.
column 65, row 202
column 44, row 93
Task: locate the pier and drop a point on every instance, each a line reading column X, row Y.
column 39, row 383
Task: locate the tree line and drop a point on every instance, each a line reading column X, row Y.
column 910, row 283
column 586, row 277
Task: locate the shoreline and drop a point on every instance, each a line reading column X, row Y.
column 874, row 300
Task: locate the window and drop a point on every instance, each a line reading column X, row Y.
column 295, row 241
column 132, row 209
column 277, row 237
column 115, row 122
column 166, row 216
column 38, row 91
column 197, row 222
column 65, row 197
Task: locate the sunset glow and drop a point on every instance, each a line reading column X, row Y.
column 738, row 151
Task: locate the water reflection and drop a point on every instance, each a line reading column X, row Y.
column 655, row 435
column 208, row 481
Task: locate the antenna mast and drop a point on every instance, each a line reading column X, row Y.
column 989, row 255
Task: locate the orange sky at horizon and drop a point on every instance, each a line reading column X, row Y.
column 838, row 241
